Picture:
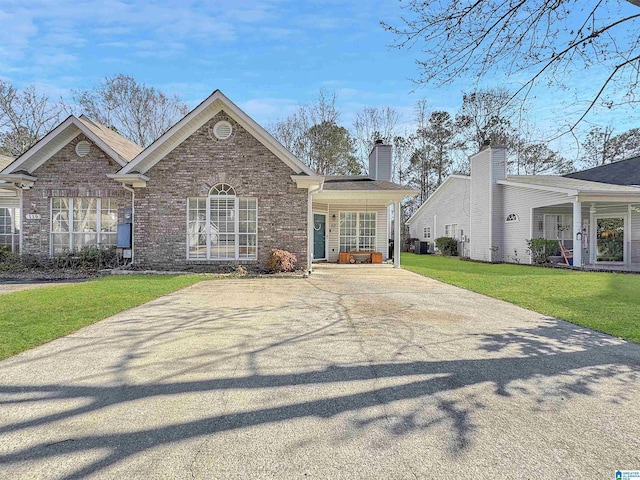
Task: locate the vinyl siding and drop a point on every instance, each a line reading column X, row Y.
column 635, row 237
column 333, row 226
column 498, row 172
column 521, row 201
column 481, row 224
column 450, row 206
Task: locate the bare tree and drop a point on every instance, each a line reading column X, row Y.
column 547, row 41
column 601, row 146
column 135, row 110
column 486, row 114
column 313, row 134
column 25, row 117
column 371, row 124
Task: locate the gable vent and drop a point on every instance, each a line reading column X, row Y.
column 83, row 148
column 222, row 130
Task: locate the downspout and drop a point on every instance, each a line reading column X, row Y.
column 133, row 220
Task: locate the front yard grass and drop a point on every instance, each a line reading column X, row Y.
column 607, row 302
column 33, row 317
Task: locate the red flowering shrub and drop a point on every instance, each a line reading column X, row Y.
column 281, row 261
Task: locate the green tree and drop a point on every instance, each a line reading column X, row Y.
column 331, row 150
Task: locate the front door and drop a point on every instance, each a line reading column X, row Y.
column 610, row 236
column 319, row 239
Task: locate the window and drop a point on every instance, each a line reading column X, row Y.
column 426, row 233
column 83, row 222
column 10, row 228
column 222, row 226
column 512, row 218
column 451, row 230
column 357, row 231
column 558, row 227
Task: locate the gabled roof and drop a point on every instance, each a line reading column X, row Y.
column 123, row 146
column 5, row 161
column 114, row 145
column 195, row 119
column 624, row 172
column 435, row 194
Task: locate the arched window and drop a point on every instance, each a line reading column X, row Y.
column 512, row 218
column 222, row 189
column 222, row 226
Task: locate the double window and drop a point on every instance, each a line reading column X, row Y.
column 451, row 230
column 558, row 227
column 358, row 231
column 426, row 233
column 222, row 226
column 10, row 228
column 83, row 222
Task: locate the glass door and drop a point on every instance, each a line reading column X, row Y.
column 610, row 239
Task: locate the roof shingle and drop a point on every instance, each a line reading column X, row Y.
column 624, row 172
column 359, row 182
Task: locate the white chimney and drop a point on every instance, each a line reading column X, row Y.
column 380, row 162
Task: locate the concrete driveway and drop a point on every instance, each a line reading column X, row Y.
column 364, row 372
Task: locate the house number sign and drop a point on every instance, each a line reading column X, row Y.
column 33, row 216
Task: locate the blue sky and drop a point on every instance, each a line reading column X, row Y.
column 266, row 55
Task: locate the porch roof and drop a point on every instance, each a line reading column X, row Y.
column 362, row 187
column 583, row 189
column 360, row 182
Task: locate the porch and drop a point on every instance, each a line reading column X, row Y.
column 599, row 235
column 352, row 217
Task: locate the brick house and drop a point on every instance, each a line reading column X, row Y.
column 215, row 189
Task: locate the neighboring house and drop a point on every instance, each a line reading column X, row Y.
column 505, row 211
column 9, row 212
column 444, row 214
column 215, row 189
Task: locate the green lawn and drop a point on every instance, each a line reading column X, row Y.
column 608, row 302
column 33, row 317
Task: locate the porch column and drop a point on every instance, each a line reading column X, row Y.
column 309, row 230
column 397, row 219
column 577, row 228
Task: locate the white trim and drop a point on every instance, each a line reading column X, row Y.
column 53, row 134
column 210, row 107
column 236, row 227
column 568, row 191
column 386, row 197
column 435, row 194
column 531, row 220
column 625, row 251
column 375, row 236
